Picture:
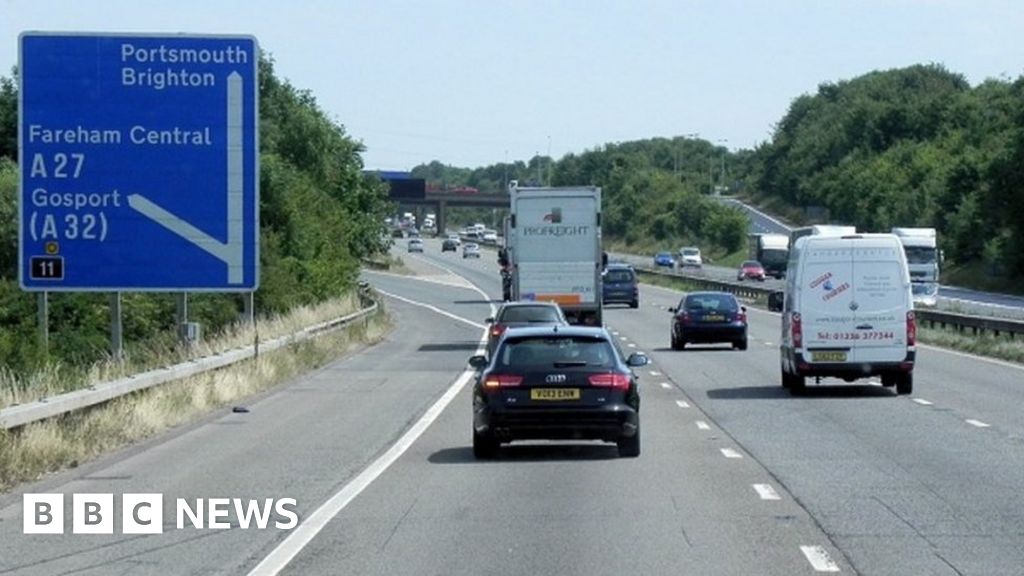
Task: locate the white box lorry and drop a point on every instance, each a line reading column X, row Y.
column 554, row 247
column 923, row 259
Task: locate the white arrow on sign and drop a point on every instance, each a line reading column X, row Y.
column 229, row 252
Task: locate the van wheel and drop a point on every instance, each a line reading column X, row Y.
column 794, row 382
column 905, row 383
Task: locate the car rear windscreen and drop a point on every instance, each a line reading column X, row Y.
column 709, row 302
column 529, row 314
column 618, row 276
column 546, row 352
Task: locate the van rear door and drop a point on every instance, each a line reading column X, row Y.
column 881, row 300
column 826, row 294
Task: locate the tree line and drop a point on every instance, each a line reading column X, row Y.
column 319, row 217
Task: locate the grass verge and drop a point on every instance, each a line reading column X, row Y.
column 29, row 452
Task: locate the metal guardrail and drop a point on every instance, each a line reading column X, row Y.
column 960, row 322
column 22, row 414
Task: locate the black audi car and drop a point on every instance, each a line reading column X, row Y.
column 556, row 383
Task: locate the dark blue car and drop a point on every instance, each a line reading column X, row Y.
column 619, row 285
column 709, row 317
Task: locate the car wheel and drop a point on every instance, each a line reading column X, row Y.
column 634, row 304
column 888, row 380
column 630, row 447
column 740, row 344
column 904, row 382
column 484, row 446
column 677, row 344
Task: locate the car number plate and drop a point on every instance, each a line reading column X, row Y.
column 830, row 356
column 714, row 318
column 555, row 394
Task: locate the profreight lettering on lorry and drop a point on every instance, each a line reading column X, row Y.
column 554, row 242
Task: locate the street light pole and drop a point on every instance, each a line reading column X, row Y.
column 722, row 180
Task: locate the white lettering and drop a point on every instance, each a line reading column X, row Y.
column 253, row 510
column 281, row 509
column 196, row 516
column 218, row 508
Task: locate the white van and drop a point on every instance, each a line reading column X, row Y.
column 848, row 311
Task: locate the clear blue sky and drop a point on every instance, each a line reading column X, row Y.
column 474, row 82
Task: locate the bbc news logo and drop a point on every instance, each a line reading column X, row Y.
column 144, row 513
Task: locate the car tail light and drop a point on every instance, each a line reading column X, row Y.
column 741, row 316
column 684, row 317
column 495, row 381
column 911, row 329
column 612, row 380
column 797, row 330
column 497, row 330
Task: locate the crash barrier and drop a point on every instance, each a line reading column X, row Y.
column 931, row 318
column 20, row 415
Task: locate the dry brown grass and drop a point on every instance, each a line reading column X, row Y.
column 51, row 445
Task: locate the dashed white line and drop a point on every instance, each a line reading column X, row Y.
column 682, row 404
column 623, row 338
column 819, row 559
column 730, row 453
column 666, row 385
column 702, row 425
column 766, row 492
column 615, row 333
column 655, row 373
column 922, row 402
column 977, row 423
column 631, row 345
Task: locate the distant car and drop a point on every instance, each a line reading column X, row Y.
column 449, row 245
column 751, row 269
column 470, row 250
column 556, row 383
column 619, row 285
column 709, row 317
column 664, row 259
column 413, row 232
column 415, row 245
column 455, row 238
column 690, row 257
column 490, row 236
column 519, row 314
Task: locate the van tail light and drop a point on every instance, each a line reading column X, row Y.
column 496, row 381
column 797, row 329
column 497, row 330
column 612, row 380
column 911, row 329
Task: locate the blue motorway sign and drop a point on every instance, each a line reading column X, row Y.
column 139, row 162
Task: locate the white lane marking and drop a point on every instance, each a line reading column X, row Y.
column 631, row 345
column 682, row 404
column 767, row 343
column 666, row 385
column 730, row 453
column 766, row 492
column 922, row 402
column 438, row 279
column 977, row 423
column 615, row 333
column 655, row 373
column 623, row 338
column 702, row 425
column 304, row 533
column 434, row 308
column 819, row 559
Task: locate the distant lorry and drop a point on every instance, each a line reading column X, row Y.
column 923, row 259
column 553, row 243
column 772, row 251
column 820, row 230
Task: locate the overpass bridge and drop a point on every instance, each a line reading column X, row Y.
column 440, row 201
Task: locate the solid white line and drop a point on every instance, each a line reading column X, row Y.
column 972, row 356
column 429, row 279
column 682, row 404
column 819, row 559
column 977, row 423
column 433, row 309
column 766, row 492
column 666, row 385
column 304, row 533
column 922, row 402
column 702, row 425
column 730, row 453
